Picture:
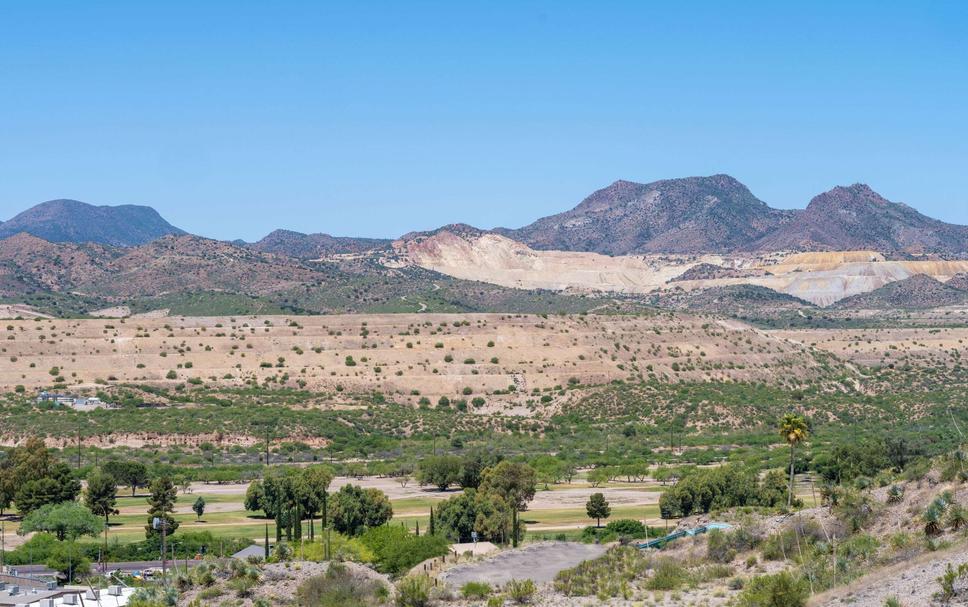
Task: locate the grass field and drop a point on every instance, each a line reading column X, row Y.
column 226, row 516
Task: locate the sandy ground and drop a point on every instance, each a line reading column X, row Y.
column 537, row 562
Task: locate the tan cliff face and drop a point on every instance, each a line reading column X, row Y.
column 822, row 278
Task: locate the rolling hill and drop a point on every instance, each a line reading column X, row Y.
column 314, row 246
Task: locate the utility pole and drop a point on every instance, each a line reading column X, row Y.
column 78, row 449
column 3, row 545
column 267, row 445
column 161, row 523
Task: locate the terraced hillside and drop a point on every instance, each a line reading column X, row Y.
column 488, row 360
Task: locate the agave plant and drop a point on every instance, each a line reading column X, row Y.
column 957, row 517
column 932, row 518
column 895, row 494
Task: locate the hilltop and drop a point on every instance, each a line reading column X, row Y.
column 75, row 221
column 690, row 215
column 314, row 246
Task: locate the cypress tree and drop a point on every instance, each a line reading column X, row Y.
column 431, row 530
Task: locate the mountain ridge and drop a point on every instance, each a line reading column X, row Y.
column 67, row 220
column 314, row 245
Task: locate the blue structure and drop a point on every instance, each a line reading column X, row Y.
column 660, row 543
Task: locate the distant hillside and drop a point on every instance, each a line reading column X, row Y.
column 690, row 215
column 959, row 281
column 74, row 221
column 314, row 246
column 718, row 214
column 918, row 291
column 708, row 271
column 858, row 218
column 189, row 274
column 734, row 300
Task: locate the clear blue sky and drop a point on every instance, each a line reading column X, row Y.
column 362, row 118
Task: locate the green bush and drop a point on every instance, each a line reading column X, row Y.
column 414, row 591
column 667, row 575
column 396, row 550
column 779, row 590
column 339, row 587
column 475, row 590
column 520, row 591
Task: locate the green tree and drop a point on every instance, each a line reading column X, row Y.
column 199, row 507
column 515, row 483
column 474, row 463
column 598, row 476
column 161, row 505
column 317, row 480
column 131, row 474
column 255, row 500
column 794, row 430
column 598, row 508
column 8, row 485
column 58, row 486
column 441, row 471
column 354, row 509
column 101, row 494
column 548, row 468
column 455, row 517
column 70, row 559
column 67, row 521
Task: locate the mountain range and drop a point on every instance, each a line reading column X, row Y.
column 718, row 214
column 714, row 214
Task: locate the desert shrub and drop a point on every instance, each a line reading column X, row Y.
column 339, row 587
column 667, row 574
column 414, row 591
column 520, row 591
column 475, row 590
column 780, row 590
column 948, row 580
column 854, row 509
column 606, row 576
column 154, row 596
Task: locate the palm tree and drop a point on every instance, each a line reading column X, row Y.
column 794, row 430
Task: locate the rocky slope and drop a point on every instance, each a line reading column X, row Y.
column 74, row 221
column 314, row 246
column 691, row 215
column 857, row 217
column 718, row 214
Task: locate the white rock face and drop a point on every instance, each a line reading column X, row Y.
column 820, row 278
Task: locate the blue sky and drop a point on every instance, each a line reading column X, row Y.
column 373, row 119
